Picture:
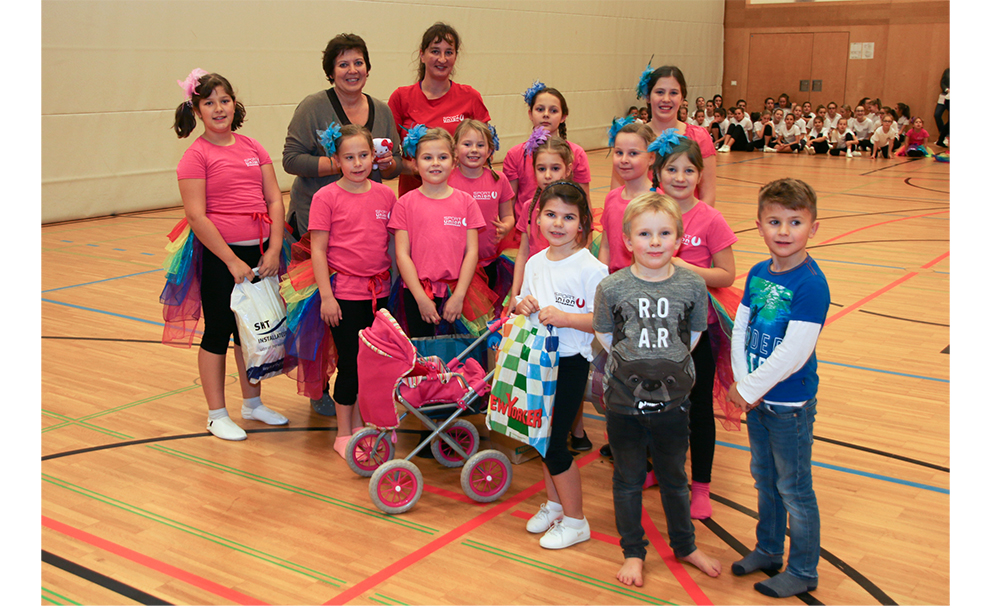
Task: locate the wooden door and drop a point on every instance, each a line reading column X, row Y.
column 829, row 64
column 780, row 62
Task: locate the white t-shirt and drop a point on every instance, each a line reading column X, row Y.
column 801, row 123
column 569, row 285
column 880, row 138
column 861, row 129
column 788, row 134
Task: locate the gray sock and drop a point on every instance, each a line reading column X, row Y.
column 755, row 560
column 784, row 585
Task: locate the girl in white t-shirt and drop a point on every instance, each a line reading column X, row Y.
column 559, row 287
column 816, row 142
column 788, row 136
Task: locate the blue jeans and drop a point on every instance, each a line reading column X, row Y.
column 781, row 440
column 666, row 435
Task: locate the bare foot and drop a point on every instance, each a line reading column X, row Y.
column 706, row 564
column 631, row 572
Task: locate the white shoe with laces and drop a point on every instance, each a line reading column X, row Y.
column 561, row 535
column 543, row 519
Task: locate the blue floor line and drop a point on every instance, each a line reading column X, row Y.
column 883, row 371
column 80, row 307
column 828, row 466
column 104, row 280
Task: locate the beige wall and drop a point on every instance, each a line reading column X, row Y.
column 911, row 39
column 109, row 71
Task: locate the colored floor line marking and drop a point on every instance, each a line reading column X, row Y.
column 883, row 371
column 151, row 563
column 452, row 495
column 828, row 466
column 883, row 290
column 291, row 488
column 611, row 540
column 81, row 423
column 196, row 532
column 51, row 290
column 566, row 573
column 678, row 569
column 441, row 542
column 61, row 597
column 832, row 239
column 80, row 307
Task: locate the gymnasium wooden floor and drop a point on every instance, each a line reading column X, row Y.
column 140, row 505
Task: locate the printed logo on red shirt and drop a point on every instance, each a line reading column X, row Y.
column 453, row 119
column 692, row 240
column 253, row 161
column 382, row 214
column 483, row 195
column 454, row 221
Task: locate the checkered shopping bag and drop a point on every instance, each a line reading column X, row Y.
column 524, row 385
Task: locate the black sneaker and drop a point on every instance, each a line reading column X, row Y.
column 580, row 444
column 606, row 451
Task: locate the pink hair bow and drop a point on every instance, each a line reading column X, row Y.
column 190, row 84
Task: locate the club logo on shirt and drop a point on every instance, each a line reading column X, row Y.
column 454, row 221
column 484, row 195
column 382, row 214
column 453, row 119
column 253, row 161
column 570, row 301
column 692, row 240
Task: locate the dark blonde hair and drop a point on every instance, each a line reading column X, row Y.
column 570, row 193
column 352, row 130
column 436, row 134
column 484, row 130
column 184, row 116
column 553, row 145
column 788, row 193
column 654, row 202
column 688, row 147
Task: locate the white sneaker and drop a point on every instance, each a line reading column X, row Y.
column 769, row 150
column 265, row 415
column 947, row 142
column 723, row 149
column 849, row 154
column 543, row 520
column 810, row 150
column 226, row 429
column 561, row 536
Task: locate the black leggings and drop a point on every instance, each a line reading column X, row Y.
column 740, row 143
column 216, row 294
column 702, row 411
column 355, row 316
column 763, row 142
column 570, row 386
column 415, row 325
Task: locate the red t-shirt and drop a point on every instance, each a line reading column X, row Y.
column 520, row 168
column 359, row 236
column 234, row 186
column 410, row 106
column 489, row 193
column 437, row 232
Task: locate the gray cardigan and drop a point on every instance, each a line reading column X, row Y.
column 303, row 150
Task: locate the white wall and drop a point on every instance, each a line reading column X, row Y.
column 109, row 72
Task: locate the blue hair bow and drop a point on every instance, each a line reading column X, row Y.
column 495, row 136
column 616, row 125
column 665, row 143
column 642, row 88
column 328, row 138
column 412, row 138
column 530, row 93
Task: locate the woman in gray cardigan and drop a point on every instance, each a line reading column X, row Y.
column 346, row 64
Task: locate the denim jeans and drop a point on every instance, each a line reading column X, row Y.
column 781, row 440
column 666, row 435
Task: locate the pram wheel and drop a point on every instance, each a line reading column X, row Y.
column 486, row 476
column 396, row 486
column 368, row 449
column 465, row 435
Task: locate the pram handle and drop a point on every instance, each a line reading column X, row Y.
column 493, row 328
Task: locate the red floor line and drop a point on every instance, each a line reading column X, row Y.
column 149, row 562
column 884, row 289
column 934, row 213
column 667, row 555
column 611, row 540
column 448, row 493
column 389, row 571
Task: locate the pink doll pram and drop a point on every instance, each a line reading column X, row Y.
column 436, row 393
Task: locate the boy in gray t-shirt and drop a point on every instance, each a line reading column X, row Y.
column 655, row 313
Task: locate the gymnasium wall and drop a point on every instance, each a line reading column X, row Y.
column 109, row 72
column 911, row 47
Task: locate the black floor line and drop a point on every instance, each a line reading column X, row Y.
column 103, row 580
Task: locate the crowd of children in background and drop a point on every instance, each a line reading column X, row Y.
column 785, row 127
column 643, row 289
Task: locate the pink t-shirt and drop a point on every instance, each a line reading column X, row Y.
column 702, row 137
column 234, row 186
column 359, row 236
column 536, row 243
column 917, row 137
column 706, row 232
column 437, row 232
column 612, row 220
column 520, row 168
column 410, row 106
column 489, row 193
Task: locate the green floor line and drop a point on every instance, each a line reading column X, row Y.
column 392, row 600
column 144, row 401
column 81, row 423
column 293, row 489
column 61, row 597
column 566, row 573
column 198, row 533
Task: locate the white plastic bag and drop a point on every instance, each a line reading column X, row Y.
column 261, row 322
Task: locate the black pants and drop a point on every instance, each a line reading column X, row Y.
column 942, row 125
column 740, row 143
column 702, row 411
column 415, row 325
column 570, row 386
column 763, row 142
column 216, row 294
column 355, row 316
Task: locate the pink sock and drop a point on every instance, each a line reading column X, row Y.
column 701, row 505
column 650, row 480
column 340, row 445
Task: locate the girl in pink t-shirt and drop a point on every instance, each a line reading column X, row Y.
column 233, row 205
column 437, row 237
column 631, row 160
column 474, row 146
column 915, row 145
column 547, row 109
column 349, row 236
column 706, row 250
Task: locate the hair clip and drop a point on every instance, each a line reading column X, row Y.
column 529, row 94
column 328, row 138
column 616, row 125
column 642, row 88
column 494, row 136
column 665, row 143
column 413, row 136
column 538, row 136
column 191, row 83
